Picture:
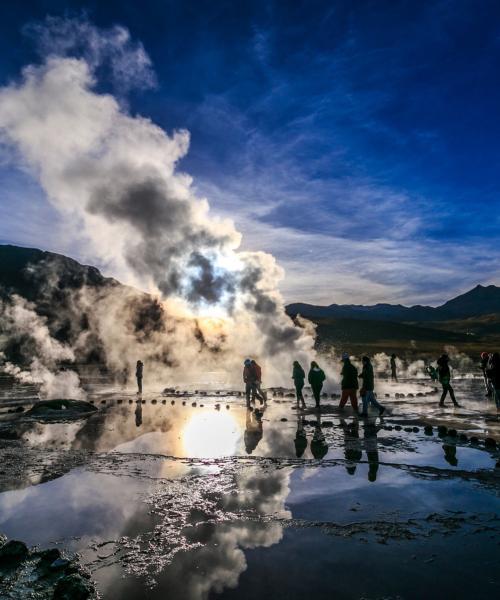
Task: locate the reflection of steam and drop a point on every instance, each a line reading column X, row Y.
column 113, row 177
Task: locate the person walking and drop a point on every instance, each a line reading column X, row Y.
column 394, row 368
column 349, row 383
column 250, row 378
column 444, row 375
column 493, row 373
column 484, row 365
column 368, row 390
column 298, row 376
column 258, row 382
column 316, row 377
column 139, row 367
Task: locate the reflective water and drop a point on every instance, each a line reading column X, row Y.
column 196, row 501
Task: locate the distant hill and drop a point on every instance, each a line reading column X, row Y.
column 481, row 300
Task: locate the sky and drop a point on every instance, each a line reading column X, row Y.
column 355, row 141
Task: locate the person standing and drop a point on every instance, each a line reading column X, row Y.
column 258, row 382
column 444, row 375
column 316, row 377
column 250, row 377
column 368, row 391
column 298, row 377
column 493, row 373
column 394, row 368
column 349, row 383
column 139, row 367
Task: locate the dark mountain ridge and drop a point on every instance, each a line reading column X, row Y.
column 481, row 300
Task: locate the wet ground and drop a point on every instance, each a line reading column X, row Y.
column 188, row 494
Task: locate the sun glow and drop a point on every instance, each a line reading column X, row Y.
column 208, row 435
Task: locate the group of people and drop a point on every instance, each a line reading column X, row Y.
column 349, row 384
column 490, row 367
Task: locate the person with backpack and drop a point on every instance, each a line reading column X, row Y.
column 298, row 376
column 316, row 377
column 349, row 383
column 367, row 392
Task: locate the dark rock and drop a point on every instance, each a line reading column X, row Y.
column 462, row 437
column 130, row 401
column 442, row 430
column 172, row 402
column 408, row 429
column 164, row 401
column 193, row 404
column 474, row 440
column 415, row 429
column 227, row 406
column 428, row 430
column 490, row 443
column 19, row 409
column 49, row 555
column 283, row 419
column 397, row 427
column 59, row 563
column 73, row 587
column 119, row 401
column 13, row 552
column 452, row 432
column 153, row 401
column 9, row 434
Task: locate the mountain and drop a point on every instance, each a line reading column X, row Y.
column 481, row 300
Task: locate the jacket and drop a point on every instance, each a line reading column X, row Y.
column 349, row 376
column 368, row 378
column 249, row 374
column 316, row 377
column 257, row 371
column 298, row 374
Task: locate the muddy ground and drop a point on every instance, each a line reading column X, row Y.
column 187, row 493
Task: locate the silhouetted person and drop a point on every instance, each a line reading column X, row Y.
column 298, row 377
column 253, row 430
column 316, row 377
column 250, row 378
column 394, row 368
column 139, row 367
column 138, row 414
column 300, row 437
column 258, row 383
column 444, row 375
column 371, row 449
column 433, row 374
column 450, row 454
column 367, row 392
column 319, row 447
column 493, row 373
column 485, row 360
column 352, row 445
column 349, row 383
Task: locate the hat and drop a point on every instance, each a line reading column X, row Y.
column 247, row 361
column 345, row 356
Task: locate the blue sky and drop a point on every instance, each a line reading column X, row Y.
column 356, row 141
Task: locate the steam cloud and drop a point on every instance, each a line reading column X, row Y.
column 114, row 179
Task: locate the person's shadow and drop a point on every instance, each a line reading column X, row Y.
column 300, row 437
column 319, row 447
column 371, row 448
column 352, row 445
column 253, row 429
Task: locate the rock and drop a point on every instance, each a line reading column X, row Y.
column 408, row 429
column 227, row 406
column 119, row 401
column 474, row 440
column 9, row 434
column 462, row 437
column 390, row 427
column 13, row 552
column 283, row 419
column 50, row 555
column 59, row 563
column 193, row 404
column 428, row 430
column 172, row 402
column 130, row 401
column 442, row 430
column 387, row 395
column 73, row 587
column 184, row 403
column 490, row 443
column 19, row 409
column 409, row 395
column 153, row 401
column 415, row 429
column 452, row 432
column 397, row 427
column 163, row 401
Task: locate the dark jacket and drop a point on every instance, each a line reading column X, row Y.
column 349, row 376
column 367, row 377
column 298, row 374
column 249, row 374
column 444, row 372
column 138, row 370
column 316, row 377
column 493, row 372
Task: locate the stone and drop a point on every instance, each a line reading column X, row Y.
column 415, row 429
column 397, row 427
column 59, row 563
column 13, row 552
column 442, row 430
column 490, row 443
column 73, row 587
column 153, row 401
column 428, row 430
column 408, row 429
column 452, row 432
column 462, row 437
column 474, row 440
column 283, row 419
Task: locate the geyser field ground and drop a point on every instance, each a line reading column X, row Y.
column 192, row 496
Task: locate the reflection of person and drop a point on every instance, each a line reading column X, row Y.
column 316, row 377
column 139, row 366
column 349, row 383
column 368, row 391
column 300, row 437
column 394, row 372
column 371, row 449
column 298, row 377
column 352, row 445
column 450, row 454
column 319, row 447
column 444, row 374
column 253, row 429
column 138, row 414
